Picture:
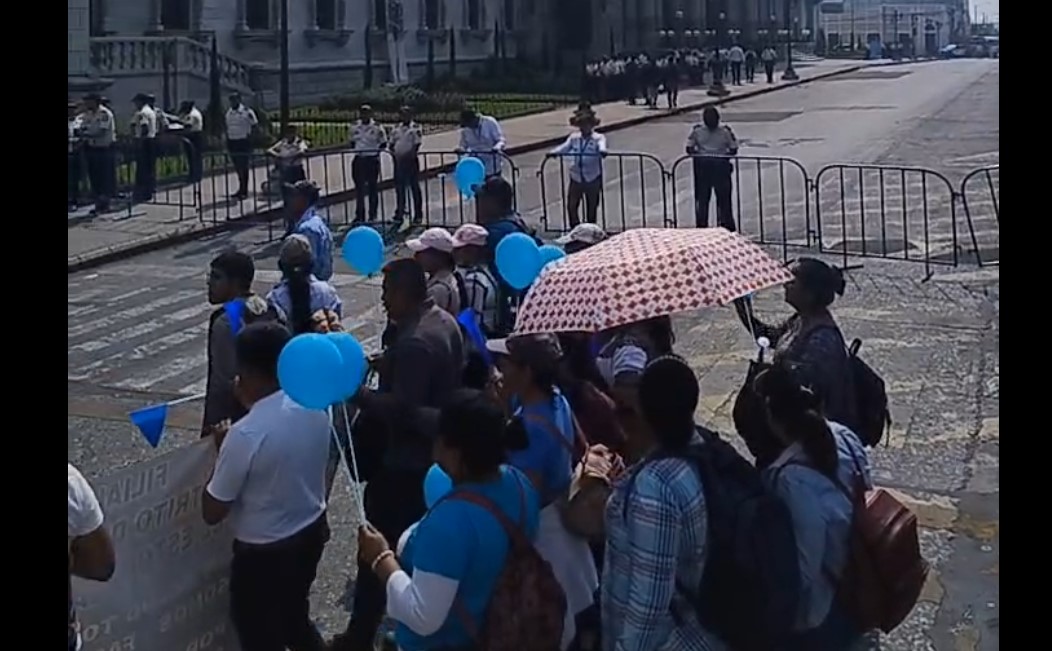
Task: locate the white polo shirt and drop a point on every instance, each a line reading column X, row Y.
column 272, row 466
column 239, row 122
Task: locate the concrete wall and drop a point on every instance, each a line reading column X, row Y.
column 78, row 53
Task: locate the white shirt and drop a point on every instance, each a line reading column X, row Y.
column 144, row 123
column 736, row 54
column 485, row 138
column 239, row 122
column 769, row 55
column 585, row 154
column 194, row 121
column 367, row 138
column 704, row 141
column 272, row 466
column 99, row 127
column 83, row 515
column 405, row 139
column 289, row 153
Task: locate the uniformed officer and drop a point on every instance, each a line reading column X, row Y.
column 241, row 122
column 406, row 138
column 194, row 138
column 98, row 130
column 711, row 145
column 74, row 155
column 368, row 139
column 144, row 132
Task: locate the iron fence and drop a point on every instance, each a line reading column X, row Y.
column 981, row 200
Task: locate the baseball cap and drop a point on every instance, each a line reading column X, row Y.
column 436, row 238
column 583, row 233
column 470, row 235
column 536, row 351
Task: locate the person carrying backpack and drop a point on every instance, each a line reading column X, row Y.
column 434, row 251
column 468, row 576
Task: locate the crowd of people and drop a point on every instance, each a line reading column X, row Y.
column 529, row 429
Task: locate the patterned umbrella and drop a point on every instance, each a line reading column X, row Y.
column 645, row 273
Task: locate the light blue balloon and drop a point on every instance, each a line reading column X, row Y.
column 437, row 485
column 309, row 369
column 469, row 173
column 519, row 260
column 363, row 250
column 551, row 253
column 354, row 363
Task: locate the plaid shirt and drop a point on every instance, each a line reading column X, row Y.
column 653, row 545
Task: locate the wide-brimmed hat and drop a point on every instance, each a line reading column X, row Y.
column 435, row 239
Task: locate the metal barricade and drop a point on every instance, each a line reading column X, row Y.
column 898, row 213
column 981, row 200
column 443, row 204
column 630, row 193
column 770, row 198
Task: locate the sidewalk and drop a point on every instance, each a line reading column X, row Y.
column 152, row 226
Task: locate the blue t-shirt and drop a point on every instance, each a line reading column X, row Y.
column 466, row 543
column 545, row 454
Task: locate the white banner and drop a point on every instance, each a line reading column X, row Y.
column 171, row 588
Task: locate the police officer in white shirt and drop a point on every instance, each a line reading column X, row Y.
column 74, row 155
column 98, row 129
column 194, row 138
column 144, row 132
column 241, row 122
column 269, row 480
column 711, row 145
column 406, row 138
column 481, row 136
column 368, row 139
column 736, row 55
column 585, row 151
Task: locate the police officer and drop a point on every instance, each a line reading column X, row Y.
column 144, row 131
column 98, row 131
column 74, row 155
column 711, row 145
column 368, row 138
column 193, row 138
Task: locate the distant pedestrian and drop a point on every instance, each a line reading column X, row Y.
column 98, row 129
column 736, row 56
column 193, row 138
column 481, row 136
column 769, row 56
column 241, row 123
column 750, row 65
column 303, row 198
column 406, row 138
column 289, row 156
column 74, row 155
column 711, row 145
column 368, row 139
column 585, row 151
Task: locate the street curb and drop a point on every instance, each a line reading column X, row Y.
column 160, row 241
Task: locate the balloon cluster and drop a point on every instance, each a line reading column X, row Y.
column 520, row 260
column 363, row 250
column 317, row 370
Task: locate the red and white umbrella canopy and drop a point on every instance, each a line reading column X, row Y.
column 645, row 273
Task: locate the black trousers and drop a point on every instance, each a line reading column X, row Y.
column 394, row 500
column 365, row 172
column 587, row 192
column 713, row 177
column 145, row 169
column 736, row 72
column 290, row 175
column 74, row 172
column 193, row 147
column 407, row 185
column 768, row 69
column 240, row 155
column 101, row 174
column 270, row 589
column 750, row 71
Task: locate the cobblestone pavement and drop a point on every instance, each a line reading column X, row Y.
column 136, row 334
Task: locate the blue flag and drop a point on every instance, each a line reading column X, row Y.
column 234, row 311
column 150, row 421
column 469, row 321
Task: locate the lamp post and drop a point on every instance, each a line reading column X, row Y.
column 283, row 80
column 716, row 88
column 790, row 72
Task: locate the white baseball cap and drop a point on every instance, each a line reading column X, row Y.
column 470, row 235
column 436, row 238
column 584, row 233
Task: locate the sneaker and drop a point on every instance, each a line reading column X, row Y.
column 404, row 226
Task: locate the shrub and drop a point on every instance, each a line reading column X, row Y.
column 389, row 99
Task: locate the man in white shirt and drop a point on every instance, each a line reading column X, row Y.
column 269, row 480
column 406, row 138
column 144, row 131
column 769, row 57
column 736, row 55
column 368, row 139
column 99, row 131
column 241, row 122
column 88, row 544
column 585, row 151
column 481, row 136
column 193, row 135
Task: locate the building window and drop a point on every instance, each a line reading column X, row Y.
column 474, row 17
column 325, row 14
column 175, row 15
column 509, row 14
column 257, row 14
column 432, row 14
column 380, row 14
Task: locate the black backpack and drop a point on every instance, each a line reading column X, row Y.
column 871, row 399
column 750, row 587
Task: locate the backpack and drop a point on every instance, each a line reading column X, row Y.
column 750, row 586
column 885, row 571
column 871, row 399
column 527, row 605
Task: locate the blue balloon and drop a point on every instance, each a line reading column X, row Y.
column 354, row 364
column 309, row 369
column 519, row 260
column 436, row 485
column 363, row 250
column 551, row 253
column 468, row 173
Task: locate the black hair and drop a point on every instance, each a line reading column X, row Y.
column 823, row 281
column 476, row 427
column 578, row 366
column 710, row 112
column 236, row 266
column 298, row 279
column 258, row 347
column 798, row 411
column 408, row 276
column 668, row 397
column 500, row 192
column 660, row 334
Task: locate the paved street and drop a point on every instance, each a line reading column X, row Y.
column 136, row 329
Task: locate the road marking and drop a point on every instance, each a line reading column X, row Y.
column 174, row 368
column 131, row 313
column 139, row 329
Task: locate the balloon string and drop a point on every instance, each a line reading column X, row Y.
column 350, row 468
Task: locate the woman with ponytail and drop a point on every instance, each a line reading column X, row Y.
column 300, row 294
column 817, row 475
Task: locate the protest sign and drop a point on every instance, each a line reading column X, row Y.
column 171, row 588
